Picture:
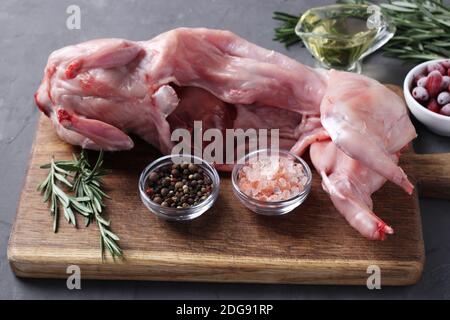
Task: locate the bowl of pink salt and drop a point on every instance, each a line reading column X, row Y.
column 271, row 182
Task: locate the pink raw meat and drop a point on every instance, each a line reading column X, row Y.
column 98, row 92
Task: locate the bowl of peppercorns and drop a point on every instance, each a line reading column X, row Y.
column 179, row 187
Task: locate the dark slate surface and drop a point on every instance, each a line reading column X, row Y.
column 32, row 29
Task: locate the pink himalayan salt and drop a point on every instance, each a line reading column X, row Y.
column 272, row 178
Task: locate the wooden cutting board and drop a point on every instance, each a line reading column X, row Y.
column 228, row 243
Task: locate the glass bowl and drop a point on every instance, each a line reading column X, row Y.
column 175, row 214
column 339, row 36
column 271, row 208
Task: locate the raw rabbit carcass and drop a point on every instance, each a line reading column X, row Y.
column 98, row 92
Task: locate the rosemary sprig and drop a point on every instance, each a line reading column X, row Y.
column 285, row 33
column 423, row 28
column 84, row 183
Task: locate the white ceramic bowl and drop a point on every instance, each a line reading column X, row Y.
column 437, row 123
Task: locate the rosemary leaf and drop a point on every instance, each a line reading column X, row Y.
column 396, row 8
column 404, row 4
column 424, row 57
column 63, row 179
column 80, row 207
column 82, row 199
column 112, row 235
column 102, row 221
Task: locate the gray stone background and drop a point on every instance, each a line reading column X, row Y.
column 30, row 30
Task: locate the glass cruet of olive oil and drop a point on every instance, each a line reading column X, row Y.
column 339, row 36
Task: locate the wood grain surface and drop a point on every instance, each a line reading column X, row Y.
column 311, row 245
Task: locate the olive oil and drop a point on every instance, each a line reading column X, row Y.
column 337, row 40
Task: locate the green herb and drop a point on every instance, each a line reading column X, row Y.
column 423, row 28
column 86, row 196
column 286, row 32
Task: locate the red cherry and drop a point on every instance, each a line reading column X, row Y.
column 445, row 82
column 445, row 110
column 446, row 63
column 420, row 94
column 422, row 82
column 436, row 67
column 433, row 106
column 434, row 83
column 443, row 98
column 418, row 78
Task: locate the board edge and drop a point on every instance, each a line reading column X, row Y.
column 247, row 270
column 11, row 241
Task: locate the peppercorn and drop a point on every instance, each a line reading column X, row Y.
column 153, row 177
column 192, row 168
column 179, row 185
column 157, row 200
column 166, row 182
column 164, row 192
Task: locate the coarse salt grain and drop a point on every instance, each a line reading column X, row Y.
column 272, row 178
